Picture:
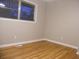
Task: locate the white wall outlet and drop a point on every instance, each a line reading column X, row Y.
column 14, row 37
column 61, row 37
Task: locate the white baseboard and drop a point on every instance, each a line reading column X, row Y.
column 26, row 42
column 65, row 44
column 20, row 43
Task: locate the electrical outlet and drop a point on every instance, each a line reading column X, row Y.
column 14, row 37
column 61, row 38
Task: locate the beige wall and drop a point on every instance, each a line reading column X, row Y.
column 22, row 30
column 63, row 21
column 57, row 20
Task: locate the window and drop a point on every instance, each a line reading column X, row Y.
column 17, row 9
column 9, row 8
column 27, row 11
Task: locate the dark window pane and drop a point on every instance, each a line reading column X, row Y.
column 27, row 11
column 9, row 8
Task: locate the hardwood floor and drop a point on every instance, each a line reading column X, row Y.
column 38, row 50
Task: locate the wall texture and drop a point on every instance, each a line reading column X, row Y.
column 63, row 21
column 19, row 31
column 57, row 20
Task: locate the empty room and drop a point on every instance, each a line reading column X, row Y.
column 39, row 29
